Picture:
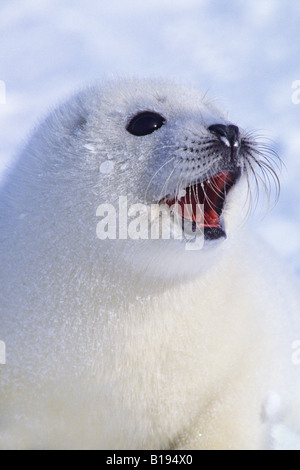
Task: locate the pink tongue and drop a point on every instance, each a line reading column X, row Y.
column 194, row 212
column 189, row 206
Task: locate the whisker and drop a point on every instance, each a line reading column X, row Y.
column 155, row 174
column 269, row 176
column 249, row 195
column 164, row 188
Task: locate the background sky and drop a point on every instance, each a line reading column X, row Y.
column 245, row 54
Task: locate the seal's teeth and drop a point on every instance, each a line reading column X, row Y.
column 181, row 194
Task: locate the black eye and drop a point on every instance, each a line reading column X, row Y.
column 145, row 123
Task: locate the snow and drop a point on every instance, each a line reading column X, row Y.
column 288, row 439
column 245, row 54
column 273, row 405
column 106, row 167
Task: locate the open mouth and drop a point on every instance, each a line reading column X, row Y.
column 203, row 203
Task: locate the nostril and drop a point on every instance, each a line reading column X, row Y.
column 233, row 134
column 229, row 135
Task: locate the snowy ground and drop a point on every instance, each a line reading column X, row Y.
column 246, row 54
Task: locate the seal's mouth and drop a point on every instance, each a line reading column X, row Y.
column 203, row 203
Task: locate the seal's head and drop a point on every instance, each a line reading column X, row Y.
column 168, row 145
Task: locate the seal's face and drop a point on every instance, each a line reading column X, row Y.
column 185, row 153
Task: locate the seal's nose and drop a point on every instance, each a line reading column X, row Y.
column 229, row 135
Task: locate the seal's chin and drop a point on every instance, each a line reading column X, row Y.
column 202, row 203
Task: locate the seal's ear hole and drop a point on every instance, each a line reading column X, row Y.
column 145, row 123
column 79, row 125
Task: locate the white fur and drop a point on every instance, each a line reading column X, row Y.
column 126, row 344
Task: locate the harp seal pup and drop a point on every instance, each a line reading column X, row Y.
column 135, row 343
